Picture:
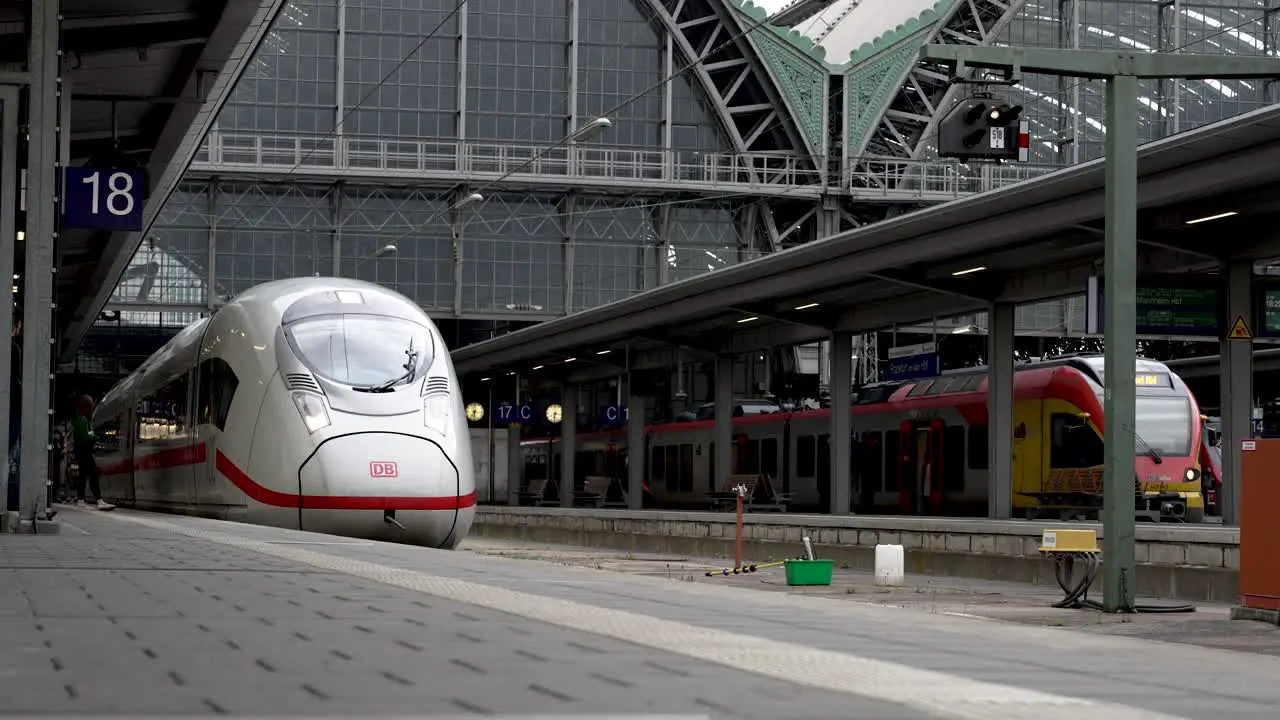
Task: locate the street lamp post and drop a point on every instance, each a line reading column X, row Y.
column 474, row 197
column 388, row 249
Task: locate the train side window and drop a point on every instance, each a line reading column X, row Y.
column 217, row 386
column 953, row 448
column 107, row 436
column 870, row 461
column 686, row 468
column 584, row 463
column 750, row 462
column 163, row 414
column 806, row 455
column 769, row 457
column 673, row 468
column 1073, row 445
column 891, row 461
column 978, row 447
column 657, row 464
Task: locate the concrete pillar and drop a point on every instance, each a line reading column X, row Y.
column 841, row 377
column 515, row 466
column 1236, row 376
column 637, row 451
column 568, row 442
column 42, row 228
column 1000, row 410
column 724, row 420
column 8, row 237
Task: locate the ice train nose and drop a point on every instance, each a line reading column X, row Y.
column 380, row 471
column 385, row 486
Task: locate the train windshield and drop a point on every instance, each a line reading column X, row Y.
column 365, row 351
column 1164, row 424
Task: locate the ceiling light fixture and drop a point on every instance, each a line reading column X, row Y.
column 957, row 273
column 1219, row 216
column 747, row 320
column 806, row 307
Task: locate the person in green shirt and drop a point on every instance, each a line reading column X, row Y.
column 82, row 446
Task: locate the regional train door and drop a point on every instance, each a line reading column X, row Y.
column 920, row 467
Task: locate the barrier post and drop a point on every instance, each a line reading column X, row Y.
column 737, row 549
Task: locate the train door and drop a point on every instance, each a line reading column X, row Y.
column 204, row 439
column 920, row 464
column 129, row 445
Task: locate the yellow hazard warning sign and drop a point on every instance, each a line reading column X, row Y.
column 1240, row 331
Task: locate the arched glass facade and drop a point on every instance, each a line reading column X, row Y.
column 500, row 82
column 352, row 142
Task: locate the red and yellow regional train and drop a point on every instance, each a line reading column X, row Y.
column 920, row 447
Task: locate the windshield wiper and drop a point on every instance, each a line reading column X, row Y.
column 1149, row 451
column 410, row 371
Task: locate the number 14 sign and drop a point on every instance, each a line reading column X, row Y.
column 103, row 199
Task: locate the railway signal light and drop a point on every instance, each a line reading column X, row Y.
column 980, row 129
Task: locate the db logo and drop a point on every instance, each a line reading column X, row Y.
column 383, row 470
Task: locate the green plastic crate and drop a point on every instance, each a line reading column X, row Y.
column 808, row 572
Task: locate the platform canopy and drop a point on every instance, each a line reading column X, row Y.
column 1033, row 241
column 146, row 79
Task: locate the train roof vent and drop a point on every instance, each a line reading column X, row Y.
column 437, row 386
column 301, row 381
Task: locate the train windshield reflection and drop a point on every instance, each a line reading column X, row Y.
column 1164, row 424
column 362, row 350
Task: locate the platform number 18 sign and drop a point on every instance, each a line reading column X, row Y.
column 103, row 199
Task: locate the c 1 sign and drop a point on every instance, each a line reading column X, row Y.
column 103, row 199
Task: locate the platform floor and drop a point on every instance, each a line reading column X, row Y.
column 127, row 613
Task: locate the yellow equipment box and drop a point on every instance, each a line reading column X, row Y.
column 1069, row 541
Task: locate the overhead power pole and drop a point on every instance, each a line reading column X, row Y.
column 1121, row 71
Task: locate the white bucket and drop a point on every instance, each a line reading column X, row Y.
column 890, row 565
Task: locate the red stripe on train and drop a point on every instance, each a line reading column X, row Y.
column 196, row 454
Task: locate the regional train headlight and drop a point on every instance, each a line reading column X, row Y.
column 1192, row 474
column 311, row 407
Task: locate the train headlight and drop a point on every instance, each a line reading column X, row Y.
column 311, row 407
column 435, row 413
column 1192, row 474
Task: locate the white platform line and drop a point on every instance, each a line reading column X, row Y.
column 938, row 694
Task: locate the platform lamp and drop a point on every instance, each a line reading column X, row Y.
column 456, row 231
column 388, row 249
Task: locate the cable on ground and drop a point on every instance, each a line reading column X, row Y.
column 1078, row 593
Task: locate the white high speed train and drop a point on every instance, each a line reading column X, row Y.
column 321, row 404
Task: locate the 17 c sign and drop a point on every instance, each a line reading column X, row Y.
column 103, row 199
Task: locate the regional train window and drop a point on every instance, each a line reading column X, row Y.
column 978, row 447
column 891, row 460
column 806, row 455
column 953, row 459
column 686, row 468
column 870, row 461
column 749, row 460
column 672, row 460
column 769, row 457
column 657, row 463
column 1073, row 445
